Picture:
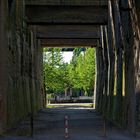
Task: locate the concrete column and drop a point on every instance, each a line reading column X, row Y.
column 111, row 57
column 129, row 31
column 3, row 63
column 119, row 63
column 96, row 89
column 105, row 54
column 99, row 74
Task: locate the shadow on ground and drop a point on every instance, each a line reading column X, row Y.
column 84, row 124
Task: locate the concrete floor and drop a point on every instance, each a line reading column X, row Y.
column 84, row 124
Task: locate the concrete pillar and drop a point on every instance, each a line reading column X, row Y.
column 106, row 62
column 3, row 63
column 96, row 89
column 130, row 32
column 99, row 74
column 117, row 115
column 111, row 57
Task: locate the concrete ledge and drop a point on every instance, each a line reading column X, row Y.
column 67, row 2
column 42, row 15
column 68, row 42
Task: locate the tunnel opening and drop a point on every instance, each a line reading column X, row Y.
column 69, row 76
column 69, row 80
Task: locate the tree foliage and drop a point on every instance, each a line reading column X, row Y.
column 82, row 74
column 78, row 74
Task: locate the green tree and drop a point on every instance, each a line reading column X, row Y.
column 55, row 71
column 82, row 70
column 60, row 76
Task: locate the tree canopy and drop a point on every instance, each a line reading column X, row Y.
column 78, row 74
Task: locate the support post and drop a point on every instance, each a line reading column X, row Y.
column 3, row 64
column 105, row 58
column 118, row 52
column 111, row 59
column 128, row 22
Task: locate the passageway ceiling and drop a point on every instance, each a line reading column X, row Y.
column 67, row 22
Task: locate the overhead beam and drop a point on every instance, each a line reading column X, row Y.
column 44, row 15
column 68, row 31
column 68, row 42
column 67, row 2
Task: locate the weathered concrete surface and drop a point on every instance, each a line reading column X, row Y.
column 68, row 35
column 67, row 2
column 38, row 15
column 84, row 124
column 20, row 65
column 123, row 43
column 136, row 28
column 137, row 9
column 68, row 42
column 68, row 31
column 3, row 64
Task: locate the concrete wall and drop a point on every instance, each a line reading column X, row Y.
column 3, row 63
column 137, row 45
column 118, row 90
column 20, row 65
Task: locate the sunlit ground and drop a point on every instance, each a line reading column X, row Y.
column 72, row 105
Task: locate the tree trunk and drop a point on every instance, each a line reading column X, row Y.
column 66, row 92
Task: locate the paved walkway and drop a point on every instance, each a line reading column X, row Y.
column 84, row 124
